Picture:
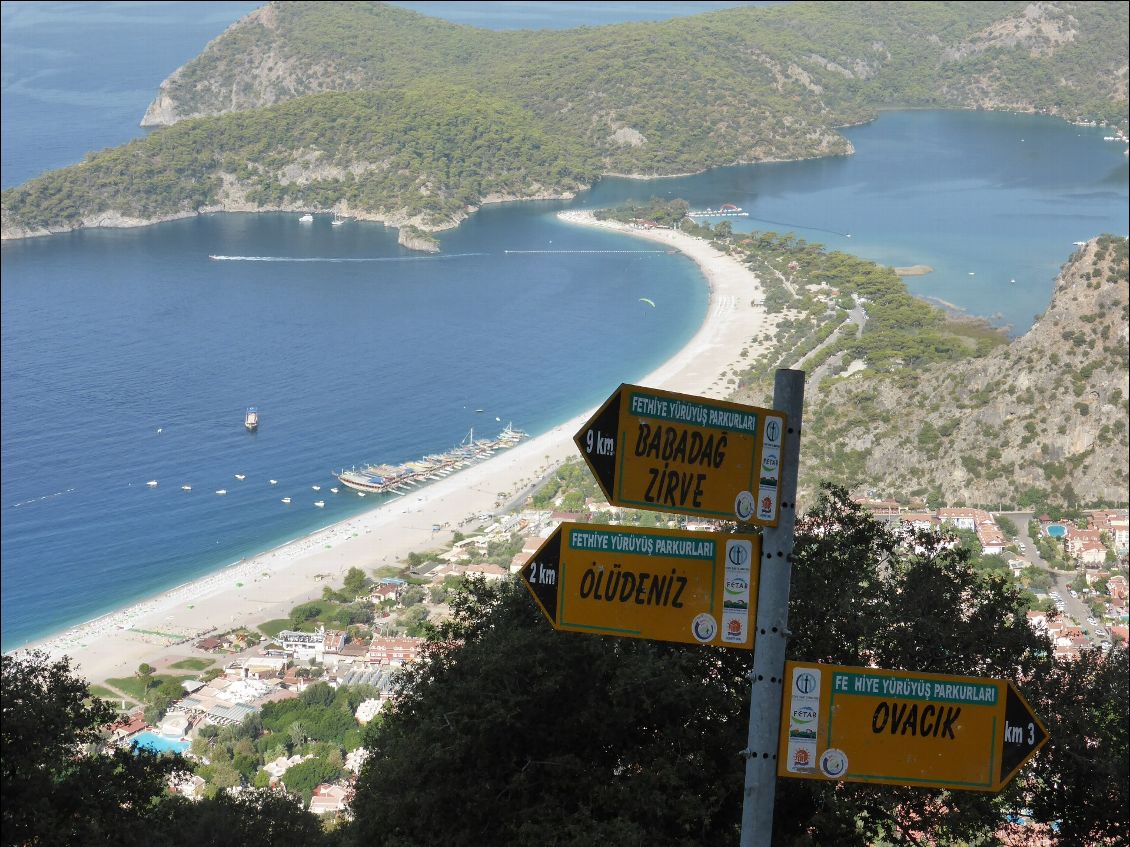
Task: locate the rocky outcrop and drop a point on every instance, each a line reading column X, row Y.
column 1046, row 414
column 415, row 239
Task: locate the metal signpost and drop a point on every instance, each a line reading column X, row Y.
column 660, row 584
column 902, row 728
column 668, row 452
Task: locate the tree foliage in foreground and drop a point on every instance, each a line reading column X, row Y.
column 59, row 789
column 515, row 734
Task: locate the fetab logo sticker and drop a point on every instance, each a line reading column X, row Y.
column 735, row 597
column 804, row 712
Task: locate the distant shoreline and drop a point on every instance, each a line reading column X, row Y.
column 268, row 584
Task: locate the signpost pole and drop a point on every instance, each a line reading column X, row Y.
column 772, row 628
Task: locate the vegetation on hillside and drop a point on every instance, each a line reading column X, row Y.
column 511, row 733
column 380, row 111
column 576, row 739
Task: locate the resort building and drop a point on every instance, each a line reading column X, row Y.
column 303, row 645
column 328, row 798
column 963, row 518
column 395, row 651
column 885, row 510
column 1115, row 524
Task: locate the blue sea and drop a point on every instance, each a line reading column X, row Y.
column 130, row 355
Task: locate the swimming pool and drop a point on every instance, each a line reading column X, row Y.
column 159, row 743
column 1056, row 530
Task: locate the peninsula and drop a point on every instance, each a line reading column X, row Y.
column 379, row 113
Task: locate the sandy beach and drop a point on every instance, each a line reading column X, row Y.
column 268, row 585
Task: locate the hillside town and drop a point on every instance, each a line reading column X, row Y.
column 317, row 678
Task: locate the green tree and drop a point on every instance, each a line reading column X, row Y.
column 57, row 787
column 355, row 582
column 571, row 737
column 1080, row 779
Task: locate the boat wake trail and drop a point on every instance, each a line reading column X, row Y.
column 344, row 259
column 584, row 251
column 40, row 499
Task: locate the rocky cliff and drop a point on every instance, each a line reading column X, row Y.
column 1045, row 416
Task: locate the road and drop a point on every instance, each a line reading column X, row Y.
column 1072, row 608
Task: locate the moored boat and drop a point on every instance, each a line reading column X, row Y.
column 380, row 479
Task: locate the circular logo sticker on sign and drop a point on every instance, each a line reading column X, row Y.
column 833, row 763
column 744, row 506
column 704, row 628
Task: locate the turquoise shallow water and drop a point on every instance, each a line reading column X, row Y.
column 160, row 744
column 356, row 350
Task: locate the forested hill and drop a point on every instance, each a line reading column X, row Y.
column 382, row 112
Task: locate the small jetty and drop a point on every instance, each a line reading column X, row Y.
column 726, row 210
column 397, row 479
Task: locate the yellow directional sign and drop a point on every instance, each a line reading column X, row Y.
column 662, row 584
column 902, row 728
column 652, row 449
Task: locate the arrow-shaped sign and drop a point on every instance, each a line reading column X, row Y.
column 903, row 728
column 662, row 584
column 668, row 452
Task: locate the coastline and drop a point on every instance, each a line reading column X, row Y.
column 269, row 584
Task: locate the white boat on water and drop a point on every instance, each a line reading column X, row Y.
column 286, row 499
column 333, row 491
column 251, row 419
column 360, row 493
column 152, row 483
column 186, row 488
column 316, row 487
column 222, row 492
column 338, row 220
column 320, row 504
column 307, row 218
column 241, row 477
column 274, row 482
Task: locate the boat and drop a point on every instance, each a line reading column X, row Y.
column 320, row 504
column 286, row 499
column 251, row 419
column 333, row 491
column 186, row 488
column 222, row 492
column 338, row 220
column 241, row 477
column 274, row 481
column 394, row 479
column 306, row 219
column 316, row 487
column 152, row 483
